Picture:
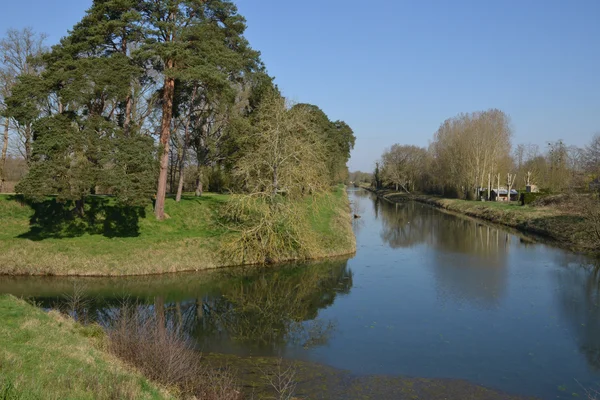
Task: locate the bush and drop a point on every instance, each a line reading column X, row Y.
column 162, row 353
column 528, row 198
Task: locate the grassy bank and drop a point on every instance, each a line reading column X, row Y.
column 132, row 242
column 48, row 356
column 567, row 229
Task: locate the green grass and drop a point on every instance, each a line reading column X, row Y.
column 48, row 356
column 188, row 240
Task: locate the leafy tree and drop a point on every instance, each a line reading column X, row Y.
column 338, row 139
column 187, row 38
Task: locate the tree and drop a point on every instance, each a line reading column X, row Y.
column 338, row 138
column 284, row 153
column 468, row 148
column 18, row 53
column 179, row 33
column 80, row 137
column 591, row 156
column 402, row 164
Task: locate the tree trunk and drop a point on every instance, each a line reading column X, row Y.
column 199, row 186
column 128, row 110
column 165, row 134
column 186, row 143
column 4, row 151
column 28, row 144
column 79, row 207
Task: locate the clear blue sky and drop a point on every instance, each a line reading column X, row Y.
column 394, row 70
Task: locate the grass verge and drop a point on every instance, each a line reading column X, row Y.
column 48, row 356
column 31, row 243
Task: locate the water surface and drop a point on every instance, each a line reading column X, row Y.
column 428, row 294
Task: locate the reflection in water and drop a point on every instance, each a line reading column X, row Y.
column 428, row 294
column 579, row 298
column 238, row 310
column 475, row 254
column 409, row 224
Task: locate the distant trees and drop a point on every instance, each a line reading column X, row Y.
column 470, row 148
column 472, row 152
column 403, row 165
column 360, row 178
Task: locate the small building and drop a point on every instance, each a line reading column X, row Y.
column 531, row 189
column 502, row 195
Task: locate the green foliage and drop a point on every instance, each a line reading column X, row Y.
column 338, row 139
column 528, row 198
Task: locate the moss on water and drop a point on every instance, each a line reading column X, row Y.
column 319, row 382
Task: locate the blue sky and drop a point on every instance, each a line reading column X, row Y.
column 394, row 70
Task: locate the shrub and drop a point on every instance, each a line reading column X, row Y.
column 528, row 198
column 163, row 354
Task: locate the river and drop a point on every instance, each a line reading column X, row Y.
column 428, row 294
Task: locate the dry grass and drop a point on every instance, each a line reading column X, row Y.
column 164, row 355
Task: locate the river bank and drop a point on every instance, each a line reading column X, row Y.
column 115, row 242
column 567, row 230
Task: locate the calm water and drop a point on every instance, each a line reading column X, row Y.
column 428, row 294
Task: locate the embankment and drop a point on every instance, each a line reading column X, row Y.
column 40, row 239
column 48, row 356
column 567, row 230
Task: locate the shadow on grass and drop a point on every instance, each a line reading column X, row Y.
column 102, row 216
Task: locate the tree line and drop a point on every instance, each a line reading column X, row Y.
column 473, row 152
column 143, row 98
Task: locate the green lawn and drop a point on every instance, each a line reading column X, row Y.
column 188, row 240
column 47, row 356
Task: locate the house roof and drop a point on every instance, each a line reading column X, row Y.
column 504, row 191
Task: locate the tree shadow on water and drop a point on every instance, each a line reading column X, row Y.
column 102, row 216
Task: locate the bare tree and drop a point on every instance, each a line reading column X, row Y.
column 402, row 165
column 468, row 148
column 591, row 157
column 18, row 50
column 287, row 155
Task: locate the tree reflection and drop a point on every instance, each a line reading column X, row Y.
column 409, row 224
column 474, row 254
column 255, row 309
column 271, row 308
column 579, row 293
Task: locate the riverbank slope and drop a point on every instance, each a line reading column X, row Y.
column 115, row 242
column 48, row 356
column 569, row 230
